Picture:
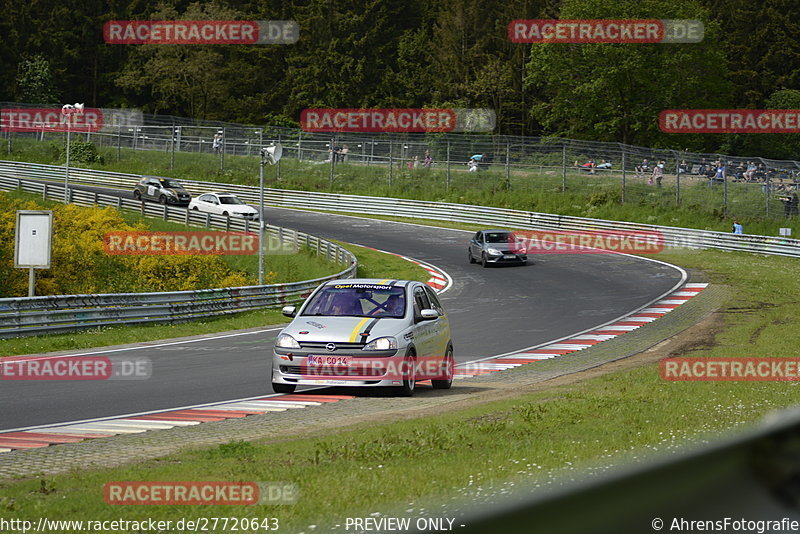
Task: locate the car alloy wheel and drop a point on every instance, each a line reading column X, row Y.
column 450, row 365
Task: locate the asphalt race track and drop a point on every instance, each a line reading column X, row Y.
column 493, row 311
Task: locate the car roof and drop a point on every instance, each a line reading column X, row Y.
column 495, row 231
column 220, row 194
column 373, row 281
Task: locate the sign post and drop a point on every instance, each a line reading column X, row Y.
column 33, row 239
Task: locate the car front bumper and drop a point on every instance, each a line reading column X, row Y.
column 376, row 369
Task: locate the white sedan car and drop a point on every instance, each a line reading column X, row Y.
column 223, row 204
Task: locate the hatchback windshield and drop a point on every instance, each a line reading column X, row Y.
column 358, row 300
column 170, row 184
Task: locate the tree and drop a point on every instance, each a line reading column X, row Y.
column 35, row 84
column 616, row 92
column 193, row 80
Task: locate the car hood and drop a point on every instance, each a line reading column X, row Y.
column 238, row 208
column 178, row 190
column 341, row 329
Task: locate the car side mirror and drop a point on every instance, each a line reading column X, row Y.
column 429, row 315
column 289, row 311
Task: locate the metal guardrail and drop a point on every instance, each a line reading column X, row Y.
column 27, row 316
column 464, row 213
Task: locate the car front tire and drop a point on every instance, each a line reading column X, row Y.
column 283, row 388
column 471, row 258
column 484, row 261
column 451, row 364
column 409, row 380
column 163, row 199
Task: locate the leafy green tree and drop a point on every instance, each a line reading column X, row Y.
column 181, row 79
column 35, row 84
column 615, row 92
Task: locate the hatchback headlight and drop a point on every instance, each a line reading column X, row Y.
column 285, row 341
column 493, row 251
column 382, row 343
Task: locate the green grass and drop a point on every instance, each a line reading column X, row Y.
column 413, row 464
column 534, row 189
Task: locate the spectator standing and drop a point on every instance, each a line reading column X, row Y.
column 216, row 143
column 737, row 228
column 343, row 153
column 428, row 159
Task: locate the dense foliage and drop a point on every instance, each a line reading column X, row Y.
column 80, row 264
column 414, row 53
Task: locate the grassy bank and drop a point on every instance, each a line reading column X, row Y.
column 534, row 188
column 411, row 465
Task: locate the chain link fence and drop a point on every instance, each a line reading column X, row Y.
column 428, row 165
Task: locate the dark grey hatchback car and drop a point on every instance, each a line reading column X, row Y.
column 163, row 190
column 492, row 247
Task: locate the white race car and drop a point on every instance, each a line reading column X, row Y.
column 223, row 204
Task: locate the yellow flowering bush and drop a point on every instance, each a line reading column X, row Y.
column 81, row 265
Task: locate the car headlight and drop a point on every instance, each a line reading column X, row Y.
column 382, row 343
column 493, row 251
column 285, row 341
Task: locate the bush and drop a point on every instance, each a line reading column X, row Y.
column 80, row 264
column 81, row 152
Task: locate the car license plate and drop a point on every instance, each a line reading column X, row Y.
column 509, row 256
column 329, row 360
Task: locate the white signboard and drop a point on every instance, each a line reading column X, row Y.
column 33, row 239
column 786, row 232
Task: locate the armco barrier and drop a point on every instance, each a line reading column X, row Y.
column 26, row 316
column 489, row 216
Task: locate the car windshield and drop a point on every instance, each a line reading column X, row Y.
column 358, row 300
column 230, row 200
column 170, row 184
column 499, row 237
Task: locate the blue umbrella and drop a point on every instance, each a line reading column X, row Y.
column 477, row 157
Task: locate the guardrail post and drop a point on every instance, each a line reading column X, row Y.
column 142, row 208
column 563, row 166
column 166, row 213
column 228, row 223
column 186, row 218
column 94, row 198
column 208, row 220
column 119, row 141
column 677, row 180
column 119, row 203
column 44, row 191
